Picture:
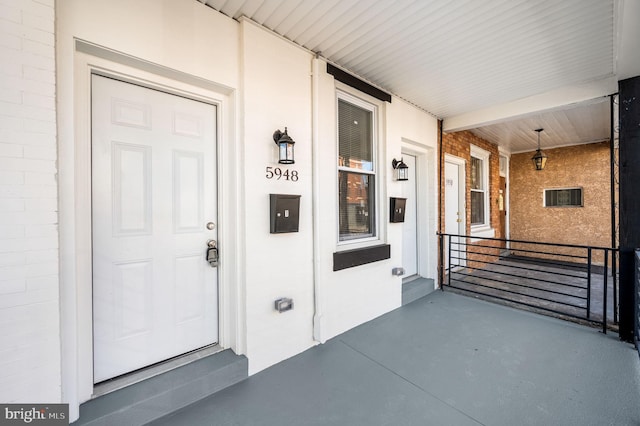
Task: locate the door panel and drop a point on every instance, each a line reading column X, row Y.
column 454, row 213
column 131, row 174
column 153, row 191
column 451, row 199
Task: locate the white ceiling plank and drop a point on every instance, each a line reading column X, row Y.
column 489, row 56
column 236, row 9
column 270, row 8
column 320, row 15
column 332, row 32
column 581, row 124
column 473, row 63
column 409, row 28
column 216, row 4
column 289, row 17
column 364, row 30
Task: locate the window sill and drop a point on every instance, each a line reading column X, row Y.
column 482, row 232
column 358, row 243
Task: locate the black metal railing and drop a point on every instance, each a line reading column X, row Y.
column 566, row 280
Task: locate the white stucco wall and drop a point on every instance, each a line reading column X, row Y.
column 417, row 134
column 352, row 296
column 182, row 35
column 283, row 85
column 276, row 92
column 267, row 83
column 29, row 309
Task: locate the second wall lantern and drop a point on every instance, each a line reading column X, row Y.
column 402, row 170
column 285, row 146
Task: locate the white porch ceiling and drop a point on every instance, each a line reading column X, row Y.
column 455, row 57
column 574, row 125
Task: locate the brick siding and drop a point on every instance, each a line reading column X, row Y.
column 459, row 144
column 584, row 166
column 29, row 307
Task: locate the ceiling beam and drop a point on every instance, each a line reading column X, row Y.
column 555, row 99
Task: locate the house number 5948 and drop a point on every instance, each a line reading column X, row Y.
column 278, row 173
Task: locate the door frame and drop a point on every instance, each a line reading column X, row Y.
column 74, row 158
column 426, row 207
column 415, row 183
column 507, row 156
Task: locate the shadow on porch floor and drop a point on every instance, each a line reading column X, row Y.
column 444, row 359
column 537, row 286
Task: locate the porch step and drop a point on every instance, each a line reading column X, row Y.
column 165, row 393
column 415, row 289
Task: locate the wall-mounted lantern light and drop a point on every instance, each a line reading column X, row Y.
column 285, row 146
column 402, row 170
column 540, row 158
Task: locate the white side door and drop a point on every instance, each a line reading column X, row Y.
column 410, row 225
column 153, row 193
column 453, row 211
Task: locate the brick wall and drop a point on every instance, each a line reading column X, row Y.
column 585, row 166
column 29, row 308
column 459, row 144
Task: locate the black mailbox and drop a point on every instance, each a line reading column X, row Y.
column 397, row 209
column 285, row 213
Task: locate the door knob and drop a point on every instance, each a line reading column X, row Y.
column 211, row 226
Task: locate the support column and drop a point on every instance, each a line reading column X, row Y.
column 629, row 104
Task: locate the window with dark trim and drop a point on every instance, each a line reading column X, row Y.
column 564, row 197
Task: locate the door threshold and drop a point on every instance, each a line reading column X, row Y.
column 165, row 393
column 145, row 373
column 416, row 288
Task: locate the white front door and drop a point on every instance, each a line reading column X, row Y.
column 153, row 194
column 410, row 226
column 454, row 213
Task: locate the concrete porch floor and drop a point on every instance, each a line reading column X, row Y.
column 445, row 359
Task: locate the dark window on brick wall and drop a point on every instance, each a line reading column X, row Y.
column 566, row 197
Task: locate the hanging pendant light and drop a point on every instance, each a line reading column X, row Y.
column 540, row 158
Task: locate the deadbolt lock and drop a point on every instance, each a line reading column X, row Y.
column 212, row 253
